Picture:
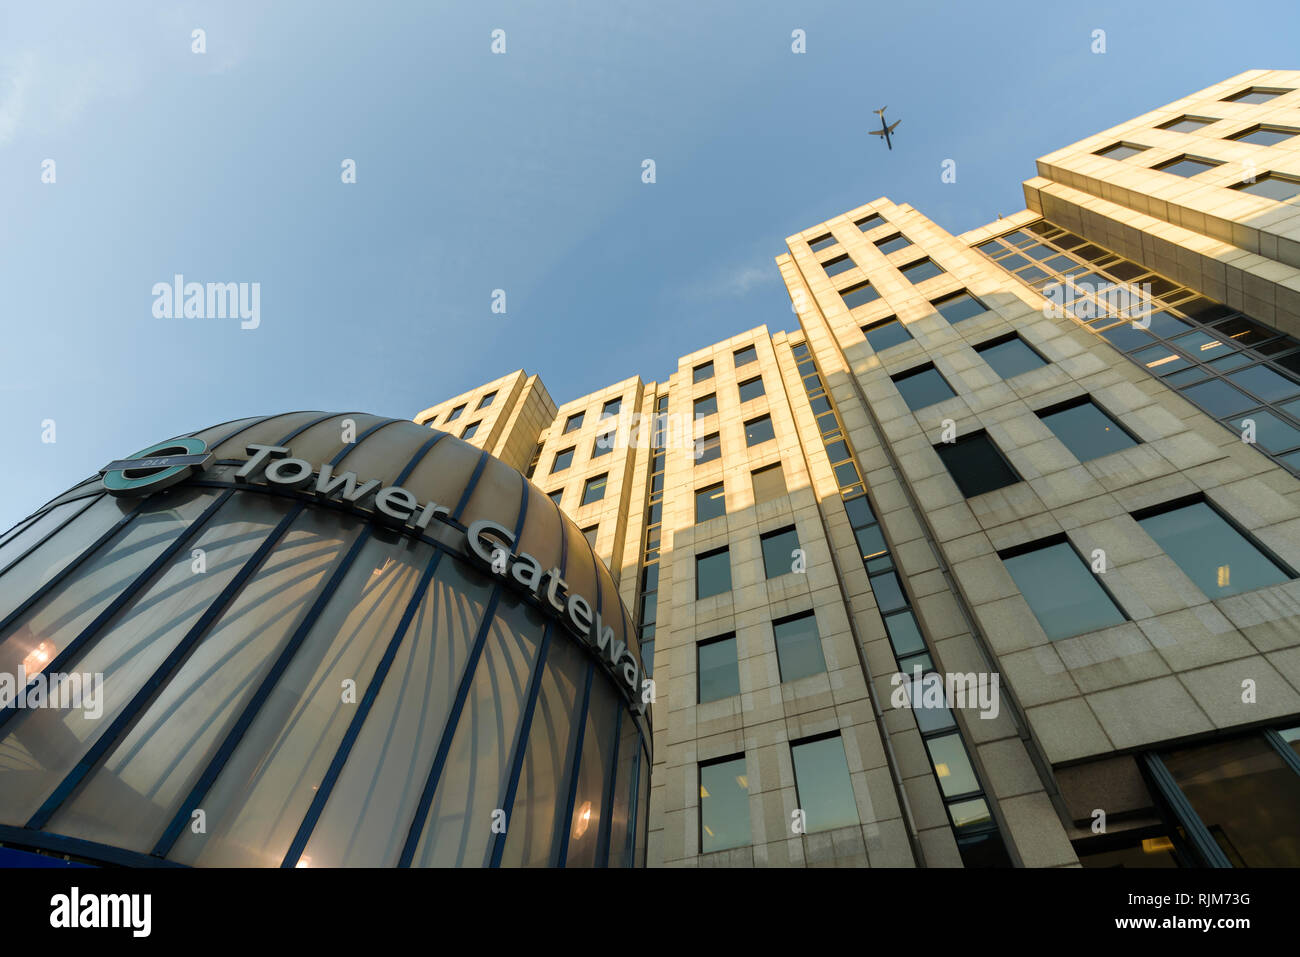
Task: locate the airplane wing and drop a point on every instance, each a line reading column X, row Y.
column 880, row 132
column 893, row 126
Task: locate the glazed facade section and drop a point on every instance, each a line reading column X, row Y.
column 289, row 683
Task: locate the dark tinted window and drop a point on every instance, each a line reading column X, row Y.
column 484, row 402
column 1265, row 135
column 1271, row 186
column 712, row 573
column 707, row 448
column 745, row 356
column 702, row 372
column 562, row 461
column 976, row 465
column 556, row 495
column 1121, row 151
column 959, row 306
column 798, row 647
column 825, row 791
column 710, row 503
column 611, row 408
column 455, row 413
column 1010, row 357
column 590, row 534
column 893, row 244
column 752, row 389
column 888, row 332
column 920, row 271
column 724, row 805
column 706, row 405
column 923, row 387
column 719, row 676
column 604, row 443
column 594, row 490
column 1185, row 166
column 838, row 265
column 869, row 222
column 1254, row 95
column 573, row 423
column 758, row 431
column 1086, row 430
column 469, row 431
column 1062, row 591
column 859, row 295
column 1210, row 551
column 822, row 242
column 1184, row 124
column 779, row 549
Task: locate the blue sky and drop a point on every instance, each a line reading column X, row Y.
column 478, row 172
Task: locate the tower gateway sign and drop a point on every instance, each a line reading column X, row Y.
column 486, row 543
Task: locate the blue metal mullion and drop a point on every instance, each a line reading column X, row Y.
column 634, row 809
column 254, row 706
column 607, row 813
column 142, row 697
column 124, row 597
column 565, row 822
column 419, row 819
column 344, row 749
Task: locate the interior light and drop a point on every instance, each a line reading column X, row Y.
column 742, row 781
column 39, row 657
column 583, row 820
column 942, row 770
column 1156, row 845
column 1225, row 576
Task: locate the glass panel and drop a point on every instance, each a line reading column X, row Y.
column 859, row 295
column 706, row 406
column 921, row 271
column 923, row 388
column 710, row 503
column 976, row 465
column 951, row 765
column 724, row 805
column 959, row 307
column 258, row 801
column 1062, row 592
column 533, row 827
column 798, row 647
column 594, row 490
column 1265, row 383
column 132, row 794
column 838, row 265
column 1218, row 398
column 1211, row 552
column 751, row 390
column 712, row 574
column 20, row 541
column 620, row 831
column 719, row 674
column 888, row 592
column 759, row 431
column 769, row 483
column 594, row 773
column 885, row 334
column 904, row 634
column 1271, row 432
column 562, row 461
column 745, row 356
column 708, row 448
column 821, row 774
column 1246, row 796
column 1087, row 431
column 702, row 372
column 778, row 552
column 1010, row 358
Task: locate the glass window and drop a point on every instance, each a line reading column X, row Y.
column 778, row 551
column 470, row 430
column 594, row 489
column 859, row 295
column 1184, row 124
column 976, row 465
column 455, row 413
column 821, row 775
column 1246, row 797
column 893, row 244
column 951, row 765
column 1061, row 590
column 1254, row 95
column 904, row 634
column 920, row 271
column 869, row 222
column 1262, row 135
column 1086, row 430
column 1210, row 551
column 798, row 646
column 1273, row 434
column 822, row 242
column 712, row 573
column 708, row 448
column 562, row 461
column 888, row 332
column 1120, row 151
column 710, row 502
column 751, row 389
column 556, row 495
column 760, row 430
column 1186, row 166
column 959, row 306
column 573, row 423
column 745, row 356
column 611, row 408
column 706, row 405
column 769, row 483
column 1217, row 397
column 604, row 443
column 719, row 673
column 1265, row 383
column 589, row 534
column 1010, row 356
column 838, row 265
column 724, row 805
column 923, row 387
column 484, row 402
column 702, row 372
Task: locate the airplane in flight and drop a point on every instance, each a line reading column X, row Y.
column 884, row 130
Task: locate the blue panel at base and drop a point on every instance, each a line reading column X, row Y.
column 11, row 857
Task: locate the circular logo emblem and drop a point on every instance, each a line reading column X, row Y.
column 156, row 467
